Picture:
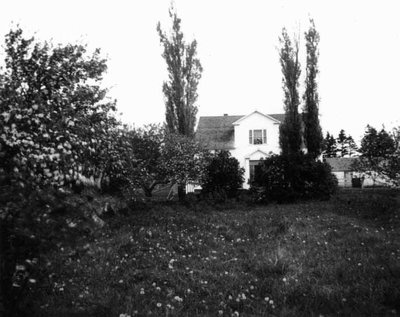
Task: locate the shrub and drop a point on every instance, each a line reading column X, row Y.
column 223, row 176
column 290, row 178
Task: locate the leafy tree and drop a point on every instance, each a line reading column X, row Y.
column 55, row 125
column 377, row 144
column 391, row 167
column 379, row 156
column 183, row 160
column 290, row 130
column 223, row 175
column 312, row 130
column 184, row 73
column 55, row 122
column 330, row 147
column 146, row 144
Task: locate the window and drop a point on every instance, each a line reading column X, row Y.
column 258, row 136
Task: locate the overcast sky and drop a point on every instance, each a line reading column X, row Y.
column 237, row 46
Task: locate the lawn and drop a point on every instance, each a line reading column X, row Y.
column 337, row 257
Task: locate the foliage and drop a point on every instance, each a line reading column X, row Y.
column 55, row 123
column 290, row 178
column 352, row 146
column 312, row 130
column 223, row 175
column 391, row 167
column 290, row 130
column 184, row 72
column 143, row 160
column 344, row 145
column 330, row 147
column 379, row 155
column 183, row 160
column 376, row 144
column 341, row 141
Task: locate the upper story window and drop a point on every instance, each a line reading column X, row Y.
column 258, row 136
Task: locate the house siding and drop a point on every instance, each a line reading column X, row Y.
column 245, row 152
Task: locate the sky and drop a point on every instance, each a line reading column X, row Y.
column 238, row 45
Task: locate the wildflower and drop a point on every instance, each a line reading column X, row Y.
column 284, row 280
column 31, row 280
column 159, row 305
column 235, row 313
column 178, row 299
column 141, row 291
column 266, row 299
column 220, row 312
column 20, row 267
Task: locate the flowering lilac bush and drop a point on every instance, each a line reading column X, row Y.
column 55, row 123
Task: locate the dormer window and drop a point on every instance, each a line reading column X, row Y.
column 258, row 136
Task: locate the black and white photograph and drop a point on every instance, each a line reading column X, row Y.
column 199, row 158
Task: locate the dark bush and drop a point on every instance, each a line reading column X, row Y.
column 223, row 176
column 291, row 178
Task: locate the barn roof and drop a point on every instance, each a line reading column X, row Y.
column 217, row 132
column 341, row 164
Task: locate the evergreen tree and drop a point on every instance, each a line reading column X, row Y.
column 341, row 141
column 330, row 147
column 312, row 130
column 184, row 72
column 352, row 146
column 290, row 130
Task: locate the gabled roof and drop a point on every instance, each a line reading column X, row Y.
column 255, row 152
column 217, row 132
column 341, row 164
column 262, row 114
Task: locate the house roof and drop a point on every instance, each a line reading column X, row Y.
column 217, row 132
column 262, row 114
column 341, row 164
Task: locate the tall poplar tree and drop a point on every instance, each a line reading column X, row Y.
column 313, row 138
column 184, row 73
column 290, row 138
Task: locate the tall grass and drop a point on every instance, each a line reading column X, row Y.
column 339, row 257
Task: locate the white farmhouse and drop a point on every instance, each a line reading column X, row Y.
column 248, row 138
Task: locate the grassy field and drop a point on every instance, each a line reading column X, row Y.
column 340, row 257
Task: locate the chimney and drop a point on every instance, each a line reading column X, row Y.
column 225, row 114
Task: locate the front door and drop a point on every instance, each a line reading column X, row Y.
column 254, row 170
